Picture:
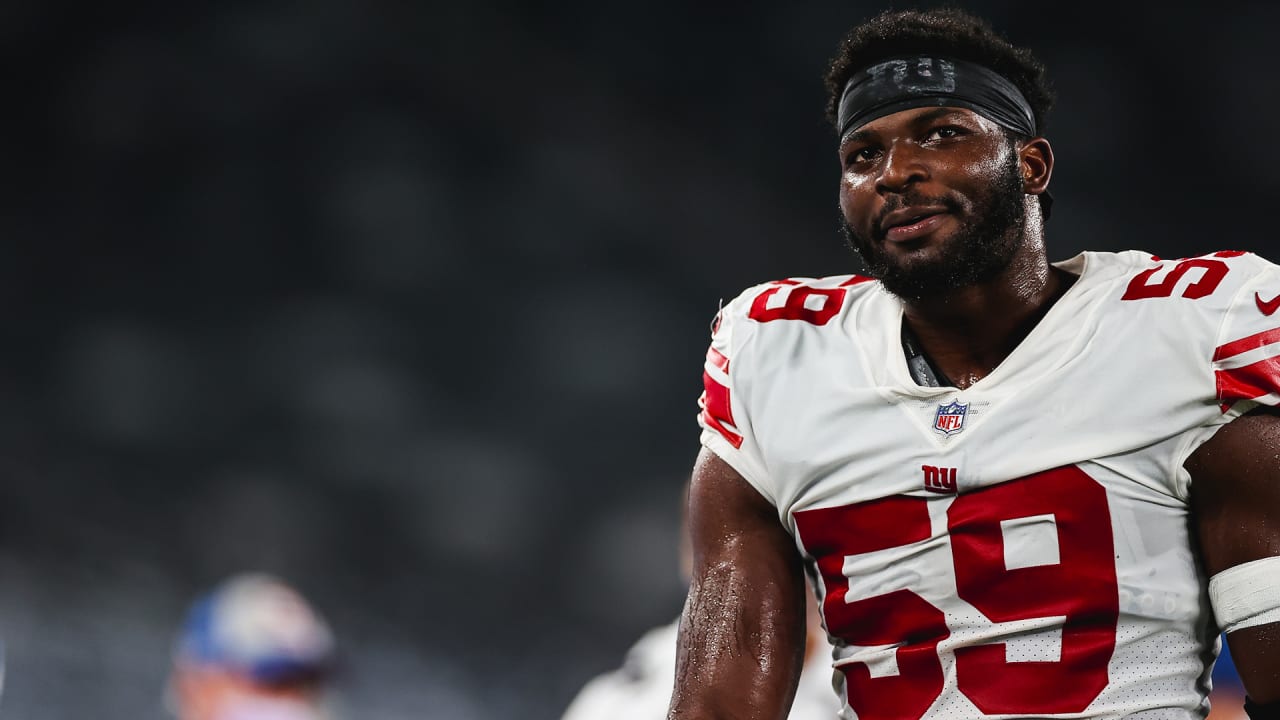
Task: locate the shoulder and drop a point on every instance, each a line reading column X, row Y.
column 1219, row 313
column 811, row 301
column 794, row 319
column 771, row 332
column 1192, row 288
column 1146, row 276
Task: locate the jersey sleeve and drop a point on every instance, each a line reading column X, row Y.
column 724, row 416
column 1246, row 359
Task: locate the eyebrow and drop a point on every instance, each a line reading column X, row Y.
column 922, row 119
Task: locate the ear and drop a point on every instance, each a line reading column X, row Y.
column 1036, row 162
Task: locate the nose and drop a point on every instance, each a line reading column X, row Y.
column 902, row 166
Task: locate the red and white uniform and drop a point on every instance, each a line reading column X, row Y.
column 1021, row 547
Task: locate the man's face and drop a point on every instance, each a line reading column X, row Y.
column 932, row 199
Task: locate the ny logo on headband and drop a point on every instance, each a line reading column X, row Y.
column 917, row 75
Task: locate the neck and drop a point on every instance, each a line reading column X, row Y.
column 967, row 333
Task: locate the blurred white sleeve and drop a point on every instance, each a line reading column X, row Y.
column 640, row 689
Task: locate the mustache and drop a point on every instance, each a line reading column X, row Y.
column 896, row 202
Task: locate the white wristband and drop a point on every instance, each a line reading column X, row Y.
column 1247, row 594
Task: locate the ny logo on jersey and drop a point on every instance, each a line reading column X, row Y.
column 939, row 479
column 949, row 419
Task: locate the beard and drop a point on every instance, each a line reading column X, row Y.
column 980, row 250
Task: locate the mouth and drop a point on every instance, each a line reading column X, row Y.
column 911, row 223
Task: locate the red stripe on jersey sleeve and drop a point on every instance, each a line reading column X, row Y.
column 716, row 411
column 1249, row 382
column 1245, row 344
column 717, row 359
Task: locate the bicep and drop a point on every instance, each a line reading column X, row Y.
column 1235, row 496
column 742, row 634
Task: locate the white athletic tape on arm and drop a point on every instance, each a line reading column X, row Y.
column 1247, row 594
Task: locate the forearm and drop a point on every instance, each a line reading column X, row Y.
column 740, row 649
column 742, row 634
column 1256, row 651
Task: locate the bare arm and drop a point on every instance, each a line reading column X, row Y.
column 1235, row 500
column 742, row 636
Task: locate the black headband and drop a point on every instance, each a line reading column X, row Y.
column 922, row 81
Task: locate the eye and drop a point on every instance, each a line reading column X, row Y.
column 861, row 155
column 946, row 132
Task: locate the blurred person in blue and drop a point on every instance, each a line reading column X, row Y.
column 252, row 649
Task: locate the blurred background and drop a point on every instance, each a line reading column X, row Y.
column 407, row 303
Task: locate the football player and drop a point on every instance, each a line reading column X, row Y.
column 1022, row 488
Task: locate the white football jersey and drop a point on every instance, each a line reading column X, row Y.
column 1021, row 547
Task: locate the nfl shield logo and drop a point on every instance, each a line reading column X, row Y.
column 950, row 417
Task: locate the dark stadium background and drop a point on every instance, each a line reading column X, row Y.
column 407, row 302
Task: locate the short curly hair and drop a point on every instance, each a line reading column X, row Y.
column 948, row 32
